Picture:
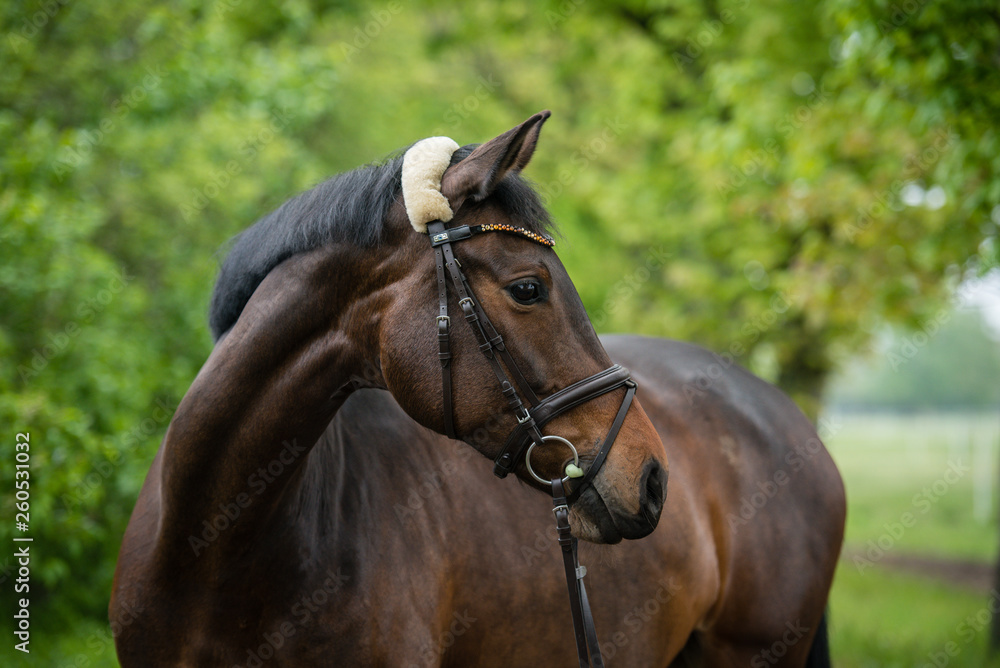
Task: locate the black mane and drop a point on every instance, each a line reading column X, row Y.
column 348, row 208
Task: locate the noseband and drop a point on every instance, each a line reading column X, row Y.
column 531, row 418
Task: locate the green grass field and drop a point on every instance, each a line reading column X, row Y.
column 941, row 470
column 931, row 466
column 916, row 485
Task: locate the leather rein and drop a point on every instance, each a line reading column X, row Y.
column 531, row 417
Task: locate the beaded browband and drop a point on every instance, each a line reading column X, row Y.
column 466, row 231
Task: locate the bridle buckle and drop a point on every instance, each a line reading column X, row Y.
column 560, row 507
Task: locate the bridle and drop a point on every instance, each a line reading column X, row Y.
column 531, row 417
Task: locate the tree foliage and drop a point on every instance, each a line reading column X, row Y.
column 771, row 179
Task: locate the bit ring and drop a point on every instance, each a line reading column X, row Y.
column 527, row 458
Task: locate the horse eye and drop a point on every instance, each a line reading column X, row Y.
column 525, row 292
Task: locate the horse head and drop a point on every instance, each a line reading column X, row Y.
column 519, row 282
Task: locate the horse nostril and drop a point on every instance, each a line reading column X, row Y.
column 655, row 489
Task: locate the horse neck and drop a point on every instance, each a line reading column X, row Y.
column 304, row 341
column 358, row 472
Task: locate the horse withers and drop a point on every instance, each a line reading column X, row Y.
column 306, row 508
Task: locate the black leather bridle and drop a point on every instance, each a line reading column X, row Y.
column 531, row 418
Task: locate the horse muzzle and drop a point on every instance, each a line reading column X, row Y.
column 601, row 520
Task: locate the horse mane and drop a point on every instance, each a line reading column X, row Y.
column 347, row 208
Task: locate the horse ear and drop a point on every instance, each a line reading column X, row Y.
column 476, row 176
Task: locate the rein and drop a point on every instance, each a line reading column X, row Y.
column 531, row 418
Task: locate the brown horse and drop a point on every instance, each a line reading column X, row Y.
column 305, row 508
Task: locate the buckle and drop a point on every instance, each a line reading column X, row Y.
column 462, row 302
column 561, row 507
column 445, row 318
column 503, row 465
column 454, row 234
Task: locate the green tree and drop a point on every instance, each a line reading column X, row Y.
column 136, row 140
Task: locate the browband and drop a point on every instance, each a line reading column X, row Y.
column 465, row 231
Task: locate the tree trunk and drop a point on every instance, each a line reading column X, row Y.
column 803, row 371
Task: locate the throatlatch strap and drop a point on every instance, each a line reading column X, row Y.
column 444, row 343
column 588, row 649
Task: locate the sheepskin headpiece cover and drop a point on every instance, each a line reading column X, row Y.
column 423, row 166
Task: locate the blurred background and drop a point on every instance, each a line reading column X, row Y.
column 812, row 190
